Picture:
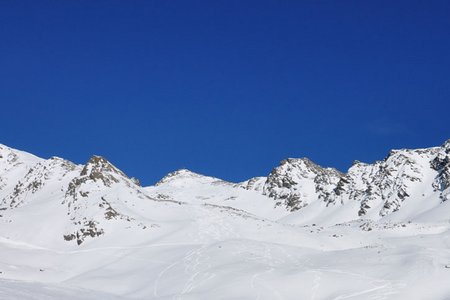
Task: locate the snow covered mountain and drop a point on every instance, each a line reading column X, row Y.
column 71, row 231
column 416, row 179
column 76, row 201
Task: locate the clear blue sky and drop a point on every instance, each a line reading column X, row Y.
column 225, row 88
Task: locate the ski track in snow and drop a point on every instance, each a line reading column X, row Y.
column 316, row 284
column 258, row 281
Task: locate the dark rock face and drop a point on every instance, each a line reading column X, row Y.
column 98, row 168
column 441, row 164
column 88, row 229
column 297, row 182
column 384, row 183
column 97, row 171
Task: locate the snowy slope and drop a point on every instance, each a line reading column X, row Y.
column 380, row 231
column 189, row 187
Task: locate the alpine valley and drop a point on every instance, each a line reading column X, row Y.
column 379, row 231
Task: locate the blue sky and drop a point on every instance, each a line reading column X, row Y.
column 225, row 88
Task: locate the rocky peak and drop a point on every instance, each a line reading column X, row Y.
column 97, row 172
column 98, row 164
column 303, row 165
column 296, row 182
column 99, row 168
column 91, row 200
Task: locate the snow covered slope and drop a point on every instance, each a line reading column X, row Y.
column 187, row 186
column 380, row 231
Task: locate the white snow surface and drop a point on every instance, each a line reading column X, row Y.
column 75, row 232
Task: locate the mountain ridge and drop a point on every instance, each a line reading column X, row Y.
column 371, row 191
